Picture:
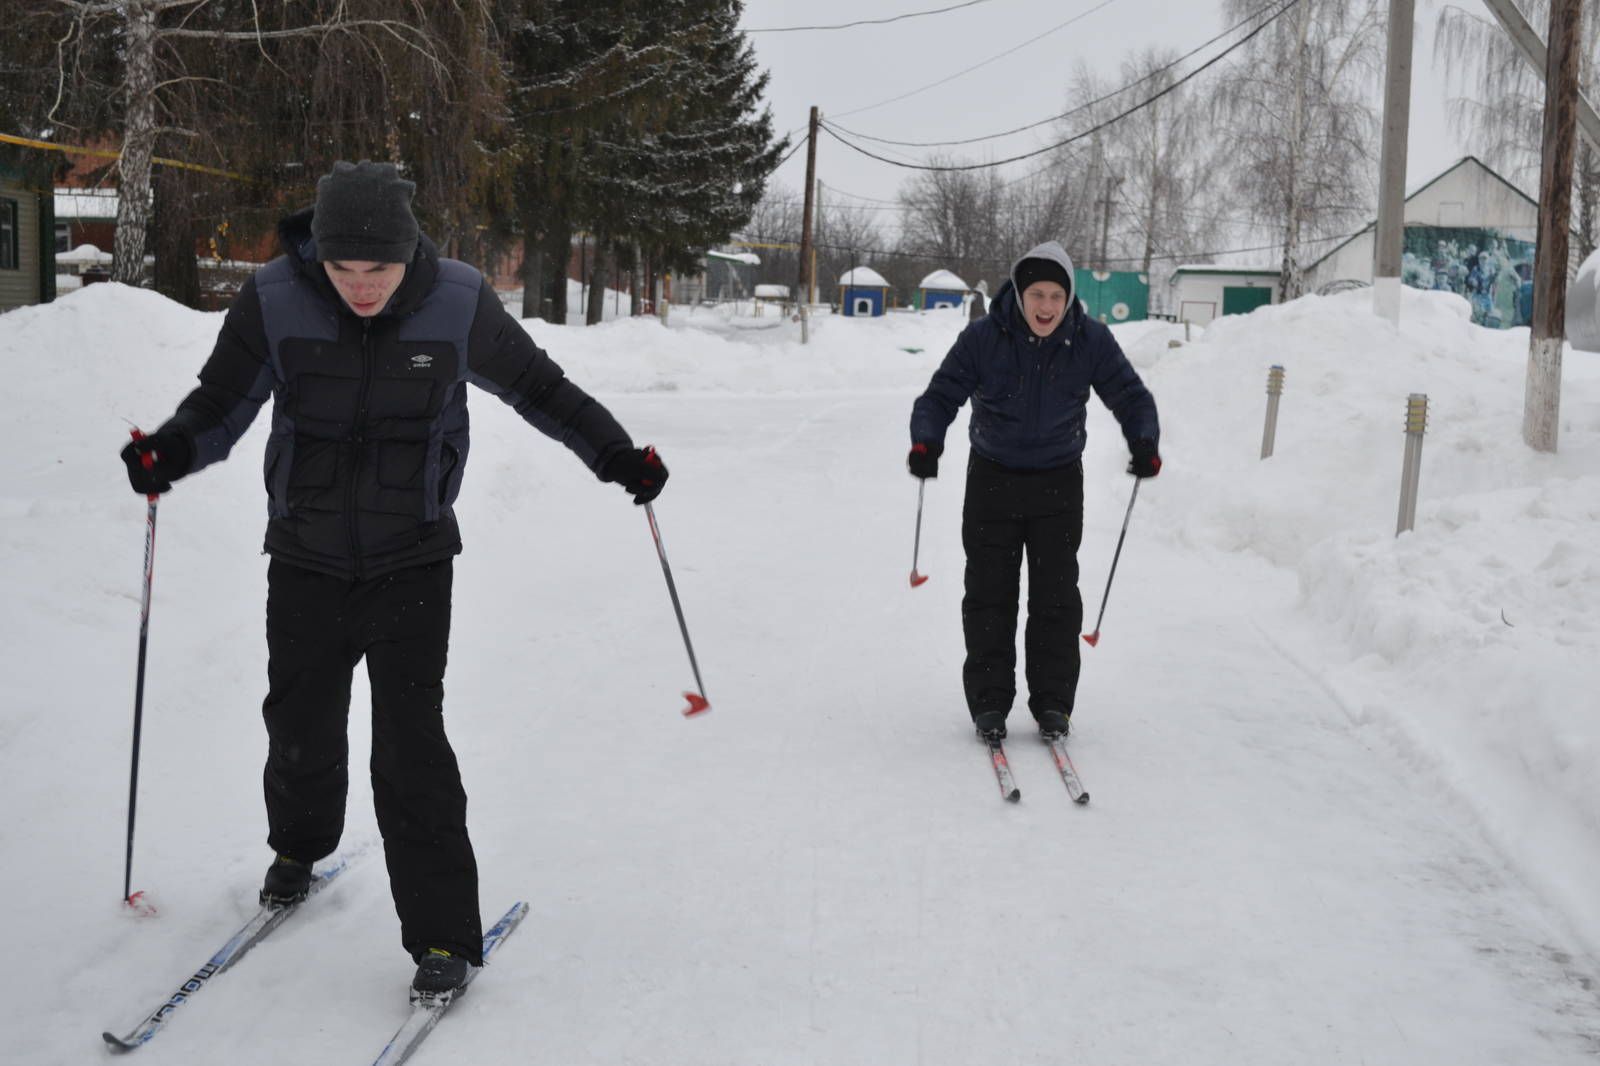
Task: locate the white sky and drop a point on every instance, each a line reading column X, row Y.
column 846, row 71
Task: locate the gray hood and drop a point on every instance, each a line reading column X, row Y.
column 1053, row 251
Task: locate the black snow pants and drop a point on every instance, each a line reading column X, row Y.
column 318, row 628
column 1008, row 512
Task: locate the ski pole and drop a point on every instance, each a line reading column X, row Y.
column 148, row 460
column 1094, row 638
column 916, row 544
column 697, row 700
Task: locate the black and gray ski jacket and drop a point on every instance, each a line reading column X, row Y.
column 369, row 415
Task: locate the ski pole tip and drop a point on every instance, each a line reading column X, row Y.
column 698, row 704
column 1092, row 639
column 917, row 579
column 139, row 906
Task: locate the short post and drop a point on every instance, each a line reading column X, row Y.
column 1186, row 331
column 1269, row 433
column 1410, row 474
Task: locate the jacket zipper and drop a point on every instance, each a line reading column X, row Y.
column 1037, row 387
column 358, row 442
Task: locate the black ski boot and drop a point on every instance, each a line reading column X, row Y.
column 440, row 975
column 287, row 882
column 991, row 725
column 1053, row 724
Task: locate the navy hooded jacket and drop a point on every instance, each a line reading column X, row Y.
column 1030, row 394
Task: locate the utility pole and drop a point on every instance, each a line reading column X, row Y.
column 1390, row 242
column 1105, row 224
column 806, row 279
column 1541, row 409
column 814, row 246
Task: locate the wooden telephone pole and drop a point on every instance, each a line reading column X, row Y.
column 1541, row 409
column 806, row 280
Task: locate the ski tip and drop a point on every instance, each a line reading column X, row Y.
column 1092, row 639
column 917, row 579
column 1083, row 799
column 1014, row 796
column 115, row 1044
column 698, row 704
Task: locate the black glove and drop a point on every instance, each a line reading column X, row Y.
column 156, row 461
column 1145, row 461
column 923, row 462
column 639, row 471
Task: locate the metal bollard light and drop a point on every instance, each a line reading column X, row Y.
column 1410, row 473
column 1269, row 433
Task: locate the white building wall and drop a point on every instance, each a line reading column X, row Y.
column 1467, row 195
column 1197, row 298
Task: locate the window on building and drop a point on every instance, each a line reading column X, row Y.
column 8, row 235
column 63, row 237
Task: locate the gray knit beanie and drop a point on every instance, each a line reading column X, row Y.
column 364, row 212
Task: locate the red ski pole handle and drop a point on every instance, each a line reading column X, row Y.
column 146, row 459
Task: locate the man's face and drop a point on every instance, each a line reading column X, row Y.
column 1044, row 303
column 365, row 286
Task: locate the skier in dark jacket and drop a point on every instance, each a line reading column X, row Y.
column 365, row 338
column 1028, row 367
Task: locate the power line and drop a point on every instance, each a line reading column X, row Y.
column 986, row 62
column 790, row 154
column 893, row 253
column 870, row 22
column 1081, row 107
column 832, row 132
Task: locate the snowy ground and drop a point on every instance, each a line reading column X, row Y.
column 1344, row 783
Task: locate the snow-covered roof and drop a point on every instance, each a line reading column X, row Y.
column 85, row 203
column 772, row 292
column 1223, row 268
column 736, row 257
column 944, row 281
column 84, row 253
column 863, row 278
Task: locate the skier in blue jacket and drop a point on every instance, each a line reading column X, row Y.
column 1027, row 367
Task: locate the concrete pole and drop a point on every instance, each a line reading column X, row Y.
column 1390, row 241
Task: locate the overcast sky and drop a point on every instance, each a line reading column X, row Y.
column 852, row 74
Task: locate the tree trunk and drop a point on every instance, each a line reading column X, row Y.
column 595, row 313
column 1586, row 199
column 177, row 273
column 1290, row 278
column 558, row 248
column 138, row 144
column 634, row 306
column 532, row 278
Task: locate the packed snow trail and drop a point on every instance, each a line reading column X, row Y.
column 817, row 871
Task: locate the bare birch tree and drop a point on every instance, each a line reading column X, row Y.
column 1298, row 109
column 146, row 37
column 1162, row 156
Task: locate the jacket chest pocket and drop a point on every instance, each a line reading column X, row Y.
column 999, row 379
column 411, row 380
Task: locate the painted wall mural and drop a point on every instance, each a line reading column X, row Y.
column 1492, row 269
